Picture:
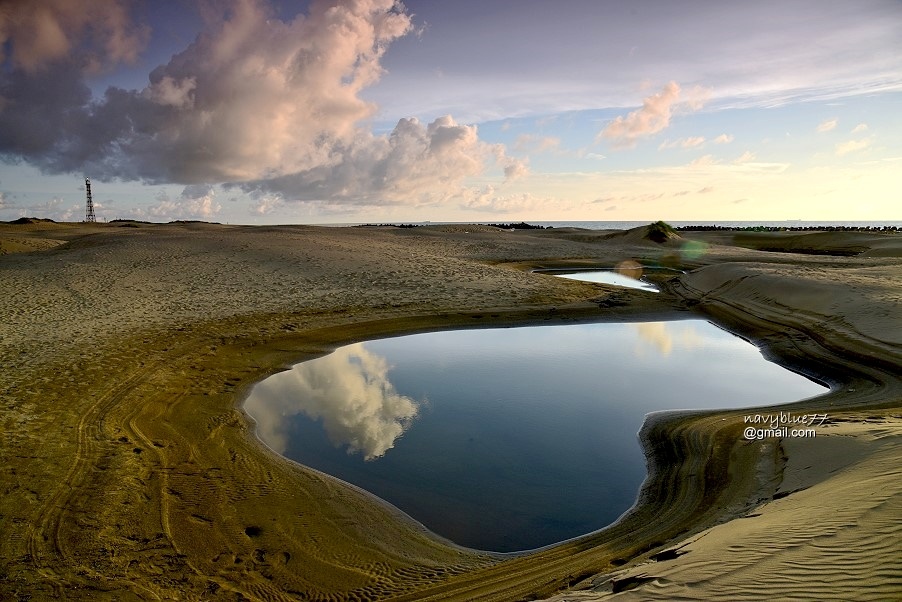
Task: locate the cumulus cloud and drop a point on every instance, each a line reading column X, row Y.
column 267, row 203
column 271, row 106
column 515, row 170
column 348, row 391
column 745, row 157
column 195, row 202
column 861, row 127
column 57, row 209
column 724, row 139
column 654, row 116
column 416, row 164
column 827, row 125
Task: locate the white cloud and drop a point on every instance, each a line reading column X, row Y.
column 267, row 203
column 704, row 161
column 488, row 200
column 745, row 157
column 536, row 144
column 654, row 116
column 417, row 164
column 195, row 202
column 57, row 209
column 690, row 142
column 724, row 139
column 852, row 146
column 861, row 127
column 827, row 125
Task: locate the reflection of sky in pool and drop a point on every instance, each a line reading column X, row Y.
column 607, row 277
column 508, row 439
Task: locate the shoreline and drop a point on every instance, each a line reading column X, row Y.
column 202, row 478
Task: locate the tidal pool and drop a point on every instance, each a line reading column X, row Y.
column 508, row 439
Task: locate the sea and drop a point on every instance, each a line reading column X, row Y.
column 626, row 225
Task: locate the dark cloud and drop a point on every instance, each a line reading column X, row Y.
column 99, row 34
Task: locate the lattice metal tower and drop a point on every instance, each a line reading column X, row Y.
column 89, row 209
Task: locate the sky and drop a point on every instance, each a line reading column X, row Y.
column 342, row 111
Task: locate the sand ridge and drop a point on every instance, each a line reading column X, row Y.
column 133, row 473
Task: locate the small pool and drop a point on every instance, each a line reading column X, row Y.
column 611, row 277
column 508, row 439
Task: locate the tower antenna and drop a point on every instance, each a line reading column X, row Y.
column 89, row 209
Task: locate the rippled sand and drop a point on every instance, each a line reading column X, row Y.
column 129, row 471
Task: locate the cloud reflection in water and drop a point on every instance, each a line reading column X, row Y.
column 664, row 337
column 348, row 391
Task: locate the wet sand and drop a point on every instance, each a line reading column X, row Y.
column 130, row 471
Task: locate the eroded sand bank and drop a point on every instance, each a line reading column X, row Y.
column 130, row 471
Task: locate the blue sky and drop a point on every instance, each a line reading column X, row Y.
column 248, row 111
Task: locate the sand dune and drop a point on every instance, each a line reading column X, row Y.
column 130, row 471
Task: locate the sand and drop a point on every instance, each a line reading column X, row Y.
column 130, row 472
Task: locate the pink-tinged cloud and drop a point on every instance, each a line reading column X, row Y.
column 724, row 139
column 827, row 125
column 654, row 116
column 861, row 127
column 272, row 106
column 251, row 97
column 416, row 164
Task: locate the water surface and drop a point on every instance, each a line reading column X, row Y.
column 610, row 277
column 508, row 439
